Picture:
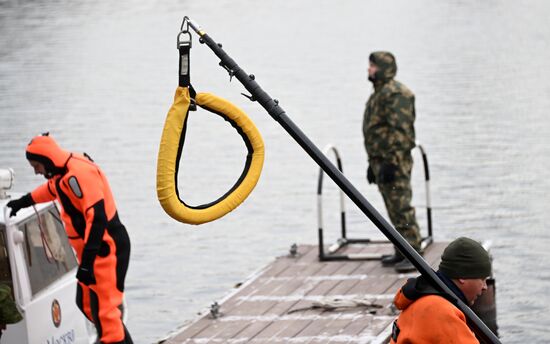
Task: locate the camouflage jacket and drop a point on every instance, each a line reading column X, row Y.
column 8, row 311
column 388, row 121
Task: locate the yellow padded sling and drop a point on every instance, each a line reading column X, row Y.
column 170, row 151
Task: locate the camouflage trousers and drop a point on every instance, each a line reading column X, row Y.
column 9, row 314
column 397, row 196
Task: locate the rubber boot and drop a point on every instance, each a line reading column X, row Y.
column 392, row 259
column 404, row 266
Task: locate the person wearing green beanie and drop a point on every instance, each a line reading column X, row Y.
column 468, row 265
column 428, row 315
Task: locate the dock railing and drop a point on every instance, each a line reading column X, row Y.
column 333, row 250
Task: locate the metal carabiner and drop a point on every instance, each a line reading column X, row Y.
column 185, row 21
column 184, row 30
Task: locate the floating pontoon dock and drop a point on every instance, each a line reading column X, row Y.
column 299, row 299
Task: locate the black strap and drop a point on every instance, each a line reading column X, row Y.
column 395, row 331
column 184, row 49
column 184, row 65
column 192, row 95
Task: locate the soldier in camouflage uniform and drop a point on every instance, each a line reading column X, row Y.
column 8, row 311
column 388, row 129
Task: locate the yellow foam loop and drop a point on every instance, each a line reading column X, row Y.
column 171, row 144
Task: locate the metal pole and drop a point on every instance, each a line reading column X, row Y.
column 275, row 111
column 339, row 164
column 427, row 183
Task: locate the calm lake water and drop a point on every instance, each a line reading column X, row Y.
column 100, row 76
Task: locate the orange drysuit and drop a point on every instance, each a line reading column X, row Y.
column 427, row 317
column 100, row 240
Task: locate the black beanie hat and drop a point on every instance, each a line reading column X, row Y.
column 465, row 258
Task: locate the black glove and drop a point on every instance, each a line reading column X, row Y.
column 17, row 204
column 387, row 173
column 85, row 276
column 370, row 176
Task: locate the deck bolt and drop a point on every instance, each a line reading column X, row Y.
column 293, row 250
column 215, row 310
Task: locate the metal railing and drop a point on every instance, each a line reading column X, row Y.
column 333, row 250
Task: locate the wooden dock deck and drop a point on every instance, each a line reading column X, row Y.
column 289, row 301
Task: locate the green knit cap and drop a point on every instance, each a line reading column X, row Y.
column 465, row 258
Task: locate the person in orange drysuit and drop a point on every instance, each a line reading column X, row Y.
column 426, row 315
column 91, row 220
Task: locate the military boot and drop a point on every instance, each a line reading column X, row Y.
column 392, row 259
column 404, row 266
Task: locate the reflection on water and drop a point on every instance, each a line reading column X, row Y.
column 100, row 76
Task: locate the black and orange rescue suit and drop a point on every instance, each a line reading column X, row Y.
column 428, row 317
column 91, row 220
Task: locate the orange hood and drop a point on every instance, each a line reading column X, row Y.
column 45, row 150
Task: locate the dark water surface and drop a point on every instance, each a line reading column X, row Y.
column 100, row 76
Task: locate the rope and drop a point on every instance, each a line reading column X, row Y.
column 47, row 249
column 331, row 304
